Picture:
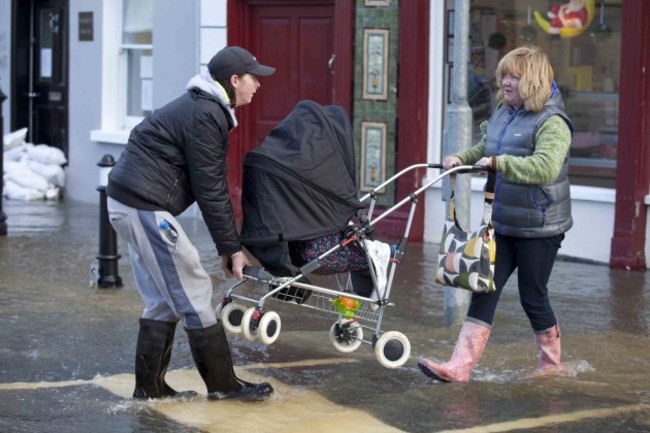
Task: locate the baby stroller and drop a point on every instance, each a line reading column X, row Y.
column 302, row 216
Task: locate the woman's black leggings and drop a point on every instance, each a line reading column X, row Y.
column 533, row 258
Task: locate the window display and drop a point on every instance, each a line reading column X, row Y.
column 582, row 38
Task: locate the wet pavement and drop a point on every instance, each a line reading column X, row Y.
column 66, row 351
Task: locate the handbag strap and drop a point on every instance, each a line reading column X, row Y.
column 489, row 197
column 489, row 186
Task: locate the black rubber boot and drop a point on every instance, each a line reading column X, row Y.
column 152, row 355
column 211, row 355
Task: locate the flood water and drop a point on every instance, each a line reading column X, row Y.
column 66, row 351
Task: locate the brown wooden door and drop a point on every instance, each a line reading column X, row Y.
column 298, row 41
column 297, row 37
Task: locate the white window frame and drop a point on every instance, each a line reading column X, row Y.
column 115, row 124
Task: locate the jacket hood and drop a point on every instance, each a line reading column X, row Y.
column 205, row 83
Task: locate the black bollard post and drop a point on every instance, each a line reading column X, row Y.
column 3, row 217
column 108, row 273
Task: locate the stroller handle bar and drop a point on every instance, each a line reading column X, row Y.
column 457, row 169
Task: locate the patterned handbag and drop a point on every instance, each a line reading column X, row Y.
column 466, row 259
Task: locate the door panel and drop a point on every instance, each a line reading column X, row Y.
column 315, row 83
column 298, row 41
column 297, row 38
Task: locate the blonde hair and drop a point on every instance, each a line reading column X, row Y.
column 535, row 74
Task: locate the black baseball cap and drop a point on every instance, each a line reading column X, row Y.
column 236, row 61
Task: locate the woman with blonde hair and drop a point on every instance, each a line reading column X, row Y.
column 526, row 142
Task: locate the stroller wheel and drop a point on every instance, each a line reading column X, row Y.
column 347, row 336
column 269, row 328
column 250, row 323
column 231, row 317
column 219, row 308
column 393, row 349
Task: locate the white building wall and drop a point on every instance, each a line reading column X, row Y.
column 213, row 29
column 84, row 107
column 175, row 61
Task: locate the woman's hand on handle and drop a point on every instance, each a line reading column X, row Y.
column 451, row 162
column 488, row 161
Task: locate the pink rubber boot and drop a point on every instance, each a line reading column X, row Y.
column 469, row 348
column 548, row 344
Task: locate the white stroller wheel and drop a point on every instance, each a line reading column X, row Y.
column 218, row 309
column 346, row 338
column 269, row 328
column 231, row 317
column 247, row 324
column 393, row 349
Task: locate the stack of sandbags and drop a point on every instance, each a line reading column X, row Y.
column 31, row 172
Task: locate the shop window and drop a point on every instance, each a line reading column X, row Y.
column 586, row 62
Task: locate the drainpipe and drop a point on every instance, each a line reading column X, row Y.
column 458, row 137
column 3, row 217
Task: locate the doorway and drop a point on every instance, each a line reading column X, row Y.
column 310, row 45
column 40, row 71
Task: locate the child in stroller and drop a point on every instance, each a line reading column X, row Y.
column 299, row 196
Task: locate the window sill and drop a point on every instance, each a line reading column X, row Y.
column 117, row 136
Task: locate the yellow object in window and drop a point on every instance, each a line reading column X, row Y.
column 583, row 77
column 565, row 19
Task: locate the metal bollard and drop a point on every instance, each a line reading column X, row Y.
column 3, row 217
column 107, row 272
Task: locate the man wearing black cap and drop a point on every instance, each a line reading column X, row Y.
column 175, row 157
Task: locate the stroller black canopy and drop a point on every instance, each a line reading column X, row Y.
column 300, row 183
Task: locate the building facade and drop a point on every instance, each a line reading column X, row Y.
column 81, row 73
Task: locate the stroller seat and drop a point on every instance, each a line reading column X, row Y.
column 299, row 185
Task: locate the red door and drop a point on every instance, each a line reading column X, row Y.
column 297, row 37
column 298, row 41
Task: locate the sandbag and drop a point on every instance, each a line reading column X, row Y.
column 13, row 191
column 15, row 153
column 46, row 154
column 22, row 175
column 14, row 139
column 52, row 172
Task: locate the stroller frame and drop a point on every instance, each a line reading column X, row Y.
column 392, row 348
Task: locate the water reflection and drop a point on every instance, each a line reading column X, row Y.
column 56, row 329
column 627, row 302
